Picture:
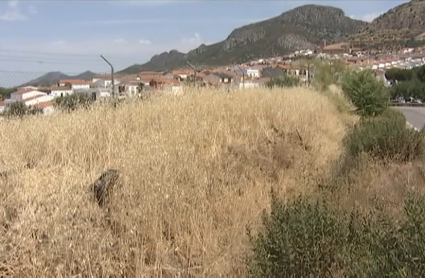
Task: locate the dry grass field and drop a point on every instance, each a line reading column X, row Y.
column 196, row 170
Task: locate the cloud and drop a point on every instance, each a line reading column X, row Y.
column 367, row 17
column 196, row 39
column 12, row 12
column 142, row 41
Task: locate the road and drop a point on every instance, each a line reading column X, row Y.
column 414, row 115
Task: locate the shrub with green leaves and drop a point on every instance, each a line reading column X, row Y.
column 386, row 138
column 74, row 101
column 283, row 81
column 368, row 94
column 303, row 238
column 19, row 109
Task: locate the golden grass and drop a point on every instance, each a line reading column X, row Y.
column 195, row 171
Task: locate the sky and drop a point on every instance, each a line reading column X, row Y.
column 69, row 36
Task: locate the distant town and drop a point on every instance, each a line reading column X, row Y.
column 247, row 75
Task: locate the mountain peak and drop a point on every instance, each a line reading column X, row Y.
column 300, row 28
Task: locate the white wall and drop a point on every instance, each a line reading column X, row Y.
column 80, row 86
column 25, row 95
column 253, row 72
column 44, row 98
column 58, row 93
column 132, row 90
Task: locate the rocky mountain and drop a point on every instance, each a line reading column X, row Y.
column 300, row 28
column 410, row 15
column 402, row 26
column 54, row 77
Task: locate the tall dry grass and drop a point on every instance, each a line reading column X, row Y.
column 195, row 171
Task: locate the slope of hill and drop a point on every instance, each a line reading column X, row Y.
column 410, row 15
column 402, row 26
column 300, row 28
column 54, row 77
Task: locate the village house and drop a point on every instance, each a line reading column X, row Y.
column 130, row 88
column 219, row 77
column 60, row 91
column 46, row 107
column 75, row 83
column 28, row 96
column 167, row 85
column 254, row 72
column 270, row 72
column 182, row 74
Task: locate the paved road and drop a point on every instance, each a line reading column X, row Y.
column 414, row 115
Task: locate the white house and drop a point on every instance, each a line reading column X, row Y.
column 253, row 72
column 75, row 84
column 46, row 107
column 61, row 91
column 105, row 83
column 130, row 88
column 22, row 94
column 38, row 99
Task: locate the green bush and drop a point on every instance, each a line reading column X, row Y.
column 74, row 101
column 328, row 72
column 283, row 81
column 302, row 238
column 369, row 95
column 386, row 138
column 19, row 109
column 407, row 89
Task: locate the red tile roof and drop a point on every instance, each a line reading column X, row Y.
column 42, row 105
column 75, row 81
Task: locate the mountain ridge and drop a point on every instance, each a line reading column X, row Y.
column 302, row 27
column 53, row 77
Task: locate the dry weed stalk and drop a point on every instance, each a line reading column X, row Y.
column 196, row 169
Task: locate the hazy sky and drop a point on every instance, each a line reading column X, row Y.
column 69, row 36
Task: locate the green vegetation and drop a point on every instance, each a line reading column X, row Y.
column 283, row 81
column 74, row 101
column 19, row 109
column 385, row 138
column 368, row 94
column 319, row 235
column 410, row 82
column 5, row 92
column 328, row 72
column 305, row 238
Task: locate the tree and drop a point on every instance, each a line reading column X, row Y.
column 420, row 73
column 74, row 101
column 5, row 92
column 399, row 74
column 367, row 93
column 328, row 72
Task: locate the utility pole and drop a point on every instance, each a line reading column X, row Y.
column 112, row 75
column 194, row 70
column 243, row 77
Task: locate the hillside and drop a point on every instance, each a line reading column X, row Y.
column 402, row 26
column 54, row 77
column 300, row 28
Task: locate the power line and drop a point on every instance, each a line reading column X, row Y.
column 46, row 53
column 40, row 61
column 48, row 59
